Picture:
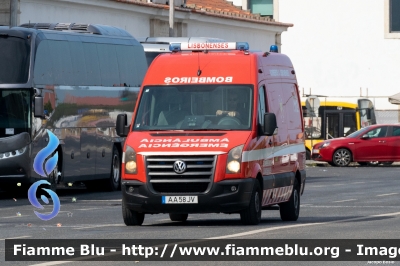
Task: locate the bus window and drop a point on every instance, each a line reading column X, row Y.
column 349, row 124
column 14, row 54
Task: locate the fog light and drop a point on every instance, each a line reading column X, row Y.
column 70, row 184
column 18, row 184
column 131, row 189
column 233, row 188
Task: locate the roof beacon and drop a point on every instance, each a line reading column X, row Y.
column 185, row 46
column 273, row 49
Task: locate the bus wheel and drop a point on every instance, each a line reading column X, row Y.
column 308, row 155
column 178, row 217
column 342, row 157
column 290, row 210
column 114, row 182
column 53, row 178
column 252, row 214
column 131, row 217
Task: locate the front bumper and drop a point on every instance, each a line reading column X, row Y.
column 219, row 198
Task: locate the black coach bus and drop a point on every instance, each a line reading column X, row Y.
column 71, row 79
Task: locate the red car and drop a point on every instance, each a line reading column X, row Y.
column 370, row 145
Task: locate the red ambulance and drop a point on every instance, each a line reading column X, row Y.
column 216, row 129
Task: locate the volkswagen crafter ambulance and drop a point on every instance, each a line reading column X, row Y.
column 216, row 129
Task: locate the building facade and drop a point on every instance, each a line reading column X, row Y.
column 142, row 18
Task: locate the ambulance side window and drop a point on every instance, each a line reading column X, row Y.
column 261, row 105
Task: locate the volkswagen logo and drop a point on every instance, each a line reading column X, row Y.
column 179, row 167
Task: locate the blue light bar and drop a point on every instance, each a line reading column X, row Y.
column 242, row 46
column 175, row 47
column 273, row 49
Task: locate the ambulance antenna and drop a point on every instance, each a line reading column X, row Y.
column 198, row 64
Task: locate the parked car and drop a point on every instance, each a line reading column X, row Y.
column 375, row 144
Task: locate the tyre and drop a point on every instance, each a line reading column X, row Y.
column 290, row 210
column 131, row 217
column 54, row 178
column 341, row 157
column 178, row 217
column 308, row 155
column 252, row 214
column 114, row 182
column 386, row 163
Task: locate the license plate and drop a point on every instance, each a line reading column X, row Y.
column 179, row 199
column 315, row 151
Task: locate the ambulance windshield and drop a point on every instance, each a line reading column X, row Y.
column 195, row 107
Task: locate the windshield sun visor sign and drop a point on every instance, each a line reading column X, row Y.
column 196, row 80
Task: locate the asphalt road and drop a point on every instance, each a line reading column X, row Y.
column 338, row 203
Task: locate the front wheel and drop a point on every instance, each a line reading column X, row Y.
column 290, row 210
column 252, row 214
column 131, row 217
column 342, row 157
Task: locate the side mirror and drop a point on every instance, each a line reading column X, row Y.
column 365, row 136
column 269, row 124
column 121, row 127
column 39, row 107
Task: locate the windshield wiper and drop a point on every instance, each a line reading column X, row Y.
column 208, row 129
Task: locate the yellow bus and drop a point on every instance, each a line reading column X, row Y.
column 335, row 118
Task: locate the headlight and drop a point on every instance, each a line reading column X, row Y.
column 12, row 153
column 129, row 158
column 326, row 144
column 234, row 160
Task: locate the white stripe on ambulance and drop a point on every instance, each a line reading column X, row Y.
column 268, row 153
column 194, row 80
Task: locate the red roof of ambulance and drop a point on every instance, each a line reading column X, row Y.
column 233, row 64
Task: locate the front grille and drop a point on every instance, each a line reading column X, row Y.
column 197, row 178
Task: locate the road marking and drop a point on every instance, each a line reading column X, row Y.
column 15, row 216
column 103, row 200
column 344, row 200
column 101, row 225
column 382, row 195
column 252, row 232
column 15, row 237
column 88, row 209
column 301, row 225
column 315, row 206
